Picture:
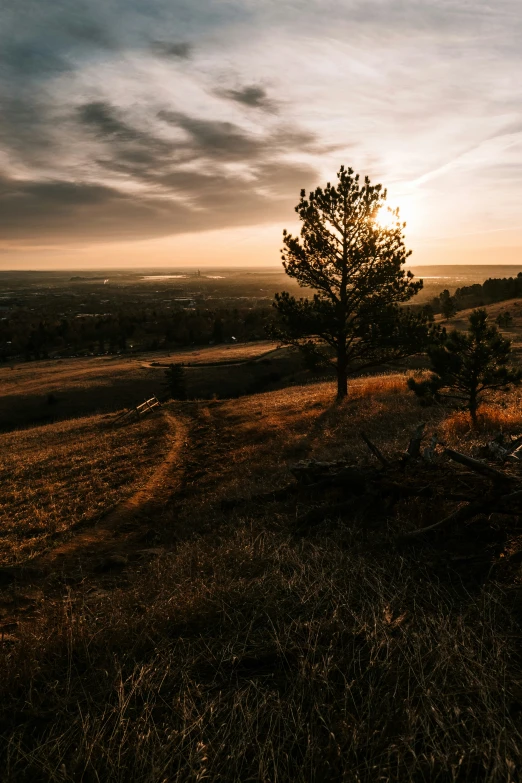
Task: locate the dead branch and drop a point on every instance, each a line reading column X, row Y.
column 429, row 452
column 477, row 466
column 414, row 445
column 375, row 451
column 460, row 515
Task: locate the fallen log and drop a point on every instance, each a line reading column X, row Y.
column 460, row 515
column 375, row 451
column 478, row 467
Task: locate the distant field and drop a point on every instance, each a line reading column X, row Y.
column 41, row 392
column 216, row 353
column 79, row 387
column 55, row 477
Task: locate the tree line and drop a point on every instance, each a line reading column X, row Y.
column 30, row 336
column 494, row 289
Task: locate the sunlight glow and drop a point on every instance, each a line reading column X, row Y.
column 408, row 213
column 385, row 217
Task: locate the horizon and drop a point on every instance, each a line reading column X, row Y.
column 250, row 268
column 131, row 136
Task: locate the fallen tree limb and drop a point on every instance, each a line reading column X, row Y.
column 375, row 451
column 477, row 466
column 514, row 446
column 460, row 515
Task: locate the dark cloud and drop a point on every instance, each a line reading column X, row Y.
column 180, row 50
column 225, row 141
column 102, row 118
column 32, row 58
column 213, row 138
column 252, row 95
column 26, row 128
column 35, row 211
column 132, row 151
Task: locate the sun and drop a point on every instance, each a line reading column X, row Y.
column 387, row 218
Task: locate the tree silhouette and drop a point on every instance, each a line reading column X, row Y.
column 504, row 319
column 175, row 384
column 354, row 265
column 467, row 364
column 448, row 304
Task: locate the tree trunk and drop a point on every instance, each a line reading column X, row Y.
column 342, row 375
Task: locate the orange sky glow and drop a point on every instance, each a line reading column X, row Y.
column 177, row 134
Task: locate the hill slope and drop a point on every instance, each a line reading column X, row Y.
column 250, row 651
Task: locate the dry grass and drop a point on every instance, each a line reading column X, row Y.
column 80, row 387
column 215, row 353
column 55, row 477
column 247, row 653
column 256, row 657
column 86, row 386
column 378, row 385
column 499, row 414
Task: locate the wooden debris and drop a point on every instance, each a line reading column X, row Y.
column 429, row 452
column 375, row 451
column 478, row 466
column 368, row 493
column 415, row 443
column 460, row 515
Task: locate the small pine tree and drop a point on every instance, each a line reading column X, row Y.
column 175, row 382
column 448, row 304
column 467, row 364
column 504, row 319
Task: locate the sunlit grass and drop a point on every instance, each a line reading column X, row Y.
column 247, row 652
column 55, row 477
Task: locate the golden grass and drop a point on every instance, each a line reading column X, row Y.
column 215, row 353
column 249, row 653
column 378, row 385
column 500, row 414
column 55, row 477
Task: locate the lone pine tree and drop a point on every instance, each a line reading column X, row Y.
column 355, row 266
column 174, row 384
column 466, row 364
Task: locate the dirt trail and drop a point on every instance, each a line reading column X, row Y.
column 120, row 525
column 98, row 552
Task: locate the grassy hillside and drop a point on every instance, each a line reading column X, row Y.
column 35, row 393
column 244, row 648
column 57, row 477
column 513, row 306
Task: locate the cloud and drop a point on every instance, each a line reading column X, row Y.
column 224, row 141
column 125, row 118
column 180, row 50
column 132, row 151
column 252, row 95
column 101, row 117
column 35, row 211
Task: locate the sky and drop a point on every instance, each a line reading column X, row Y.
column 180, row 132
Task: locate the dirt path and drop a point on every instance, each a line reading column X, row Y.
column 100, row 551
column 119, row 526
